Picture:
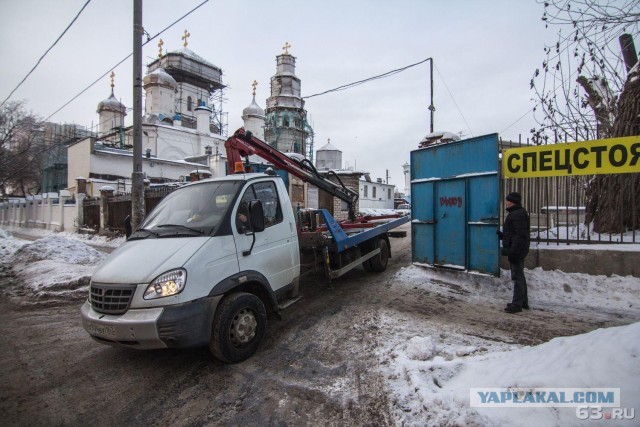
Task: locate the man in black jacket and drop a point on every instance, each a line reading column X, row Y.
column 515, row 237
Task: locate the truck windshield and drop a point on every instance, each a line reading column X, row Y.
column 192, row 210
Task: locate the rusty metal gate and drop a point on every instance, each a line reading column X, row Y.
column 91, row 213
column 119, row 206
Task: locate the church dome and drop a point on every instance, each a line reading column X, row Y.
column 111, row 104
column 161, row 78
column 253, row 110
column 328, row 147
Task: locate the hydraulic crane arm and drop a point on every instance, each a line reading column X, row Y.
column 243, row 144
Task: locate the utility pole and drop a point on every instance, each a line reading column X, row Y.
column 432, row 107
column 137, row 177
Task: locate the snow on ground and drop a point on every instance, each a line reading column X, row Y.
column 92, row 239
column 434, row 389
column 430, row 370
column 430, row 367
column 546, row 288
column 51, row 268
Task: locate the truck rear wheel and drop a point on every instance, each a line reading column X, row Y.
column 380, row 261
column 239, row 325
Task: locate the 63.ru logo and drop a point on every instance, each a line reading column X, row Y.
column 597, row 413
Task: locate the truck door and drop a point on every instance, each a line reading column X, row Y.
column 275, row 252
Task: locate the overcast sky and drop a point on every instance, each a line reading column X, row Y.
column 484, row 54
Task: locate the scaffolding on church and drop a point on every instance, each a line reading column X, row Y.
column 57, row 137
column 219, row 117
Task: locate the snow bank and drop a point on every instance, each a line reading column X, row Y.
column 435, row 391
column 92, row 239
column 8, row 246
column 430, row 367
column 48, row 269
column 547, row 289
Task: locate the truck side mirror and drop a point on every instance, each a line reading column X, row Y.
column 256, row 216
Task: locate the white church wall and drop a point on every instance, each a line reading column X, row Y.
column 256, row 126
column 176, row 144
column 110, row 120
column 160, row 100
column 79, row 161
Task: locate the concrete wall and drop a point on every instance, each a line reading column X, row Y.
column 46, row 211
column 587, row 261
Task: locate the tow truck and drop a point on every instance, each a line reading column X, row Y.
column 219, row 257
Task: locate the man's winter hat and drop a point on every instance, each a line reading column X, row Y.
column 514, row 198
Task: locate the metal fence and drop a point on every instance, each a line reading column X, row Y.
column 119, row 207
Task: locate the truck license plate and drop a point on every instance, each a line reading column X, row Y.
column 102, row 330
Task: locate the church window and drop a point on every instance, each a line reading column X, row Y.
column 189, row 103
column 285, row 122
column 366, row 191
column 373, row 191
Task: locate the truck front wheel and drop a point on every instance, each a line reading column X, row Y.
column 380, row 261
column 239, row 325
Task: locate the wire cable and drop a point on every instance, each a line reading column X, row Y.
column 359, row 82
column 45, row 54
column 149, row 39
column 454, row 100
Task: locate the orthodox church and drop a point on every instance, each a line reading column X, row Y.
column 182, row 126
column 184, row 130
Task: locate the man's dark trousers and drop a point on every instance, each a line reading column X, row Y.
column 519, row 284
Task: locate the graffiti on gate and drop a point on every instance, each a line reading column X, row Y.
column 451, row 201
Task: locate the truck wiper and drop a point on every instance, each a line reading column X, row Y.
column 183, row 227
column 146, row 230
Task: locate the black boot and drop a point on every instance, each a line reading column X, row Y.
column 512, row 309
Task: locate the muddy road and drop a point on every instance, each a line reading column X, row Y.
column 316, row 366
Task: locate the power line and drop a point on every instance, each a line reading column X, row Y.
column 454, row 101
column 359, row 82
column 517, row 120
column 45, row 54
column 149, row 39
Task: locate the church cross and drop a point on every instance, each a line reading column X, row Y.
column 160, row 44
column 185, row 37
column 286, row 48
column 254, row 84
column 112, row 77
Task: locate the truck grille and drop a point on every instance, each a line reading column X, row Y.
column 111, row 299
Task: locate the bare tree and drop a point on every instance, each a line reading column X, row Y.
column 21, row 148
column 585, row 90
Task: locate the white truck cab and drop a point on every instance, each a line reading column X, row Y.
column 206, row 267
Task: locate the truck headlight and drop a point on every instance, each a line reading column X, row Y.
column 167, row 284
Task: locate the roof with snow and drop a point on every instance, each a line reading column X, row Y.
column 328, row 147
